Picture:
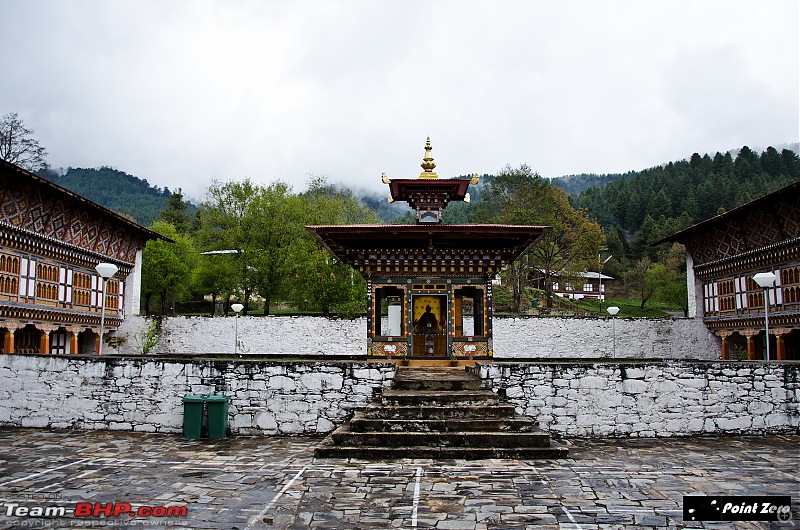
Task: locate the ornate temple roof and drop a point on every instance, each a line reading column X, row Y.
column 425, row 249
column 428, row 246
column 507, row 239
column 427, row 194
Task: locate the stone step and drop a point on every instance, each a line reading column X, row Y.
column 359, row 423
column 454, row 410
column 327, row 449
column 437, row 380
column 433, row 397
column 344, row 436
column 439, row 413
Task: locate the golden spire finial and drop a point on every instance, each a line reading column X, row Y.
column 427, row 163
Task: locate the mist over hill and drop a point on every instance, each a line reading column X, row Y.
column 684, row 191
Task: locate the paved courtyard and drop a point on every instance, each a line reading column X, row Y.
column 272, row 483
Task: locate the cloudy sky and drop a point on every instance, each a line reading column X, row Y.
column 181, row 92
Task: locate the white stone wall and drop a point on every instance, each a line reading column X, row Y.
column 521, row 338
column 652, row 399
column 145, row 394
column 275, row 335
column 581, row 338
column 672, row 398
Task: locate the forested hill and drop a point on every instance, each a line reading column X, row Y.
column 648, row 203
column 117, row 191
column 679, row 194
column 576, row 184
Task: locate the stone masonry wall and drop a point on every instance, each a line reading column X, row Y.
column 581, row 338
column 145, row 394
column 526, row 337
column 640, row 399
column 652, row 399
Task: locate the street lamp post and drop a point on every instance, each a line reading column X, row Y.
column 106, row 271
column 765, row 280
column 600, row 277
column 613, row 310
column 237, row 308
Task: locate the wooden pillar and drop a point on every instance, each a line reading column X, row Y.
column 458, row 319
column 97, row 343
column 44, row 341
column 751, row 344
column 779, row 333
column 726, row 346
column 73, row 339
column 8, row 339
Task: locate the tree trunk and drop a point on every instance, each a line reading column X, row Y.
column 267, row 302
column 147, row 298
column 548, row 288
column 246, row 302
column 517, row 278
column 213, row 303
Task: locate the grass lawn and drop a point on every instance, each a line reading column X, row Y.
column 630, row 307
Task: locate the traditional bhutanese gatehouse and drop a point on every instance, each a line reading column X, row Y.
column 50, row 242
column 723, row 255
column 429, row 284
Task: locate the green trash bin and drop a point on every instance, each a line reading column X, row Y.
column 217, row 416
column 534, row 303
column 193, row 416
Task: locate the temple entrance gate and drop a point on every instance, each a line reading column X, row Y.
column 429, row 285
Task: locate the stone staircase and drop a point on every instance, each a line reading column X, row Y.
column 437, row 412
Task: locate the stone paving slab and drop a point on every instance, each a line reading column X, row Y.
column 276, row 483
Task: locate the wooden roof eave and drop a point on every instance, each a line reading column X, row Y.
column 519, row 238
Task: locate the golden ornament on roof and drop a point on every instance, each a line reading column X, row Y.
column 427, row 163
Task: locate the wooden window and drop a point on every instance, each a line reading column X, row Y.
column 58, row 342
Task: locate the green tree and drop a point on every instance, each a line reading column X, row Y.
column 215, row 275
column 520, row 196
column 319, row 281
column 167, row 267
column 258, row 226
column 276, row 229
column 647, row 277
column 223, row 227
column 647, row 234
column 672, row 290
column 176, row 212
column 18, row 146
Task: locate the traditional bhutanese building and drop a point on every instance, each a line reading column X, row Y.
column 591, row 287
column 429, row 284
column 723, row 255
column 50, row 242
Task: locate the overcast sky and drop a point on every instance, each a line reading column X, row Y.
column 182, row 92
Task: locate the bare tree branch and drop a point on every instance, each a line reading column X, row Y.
column 18, row 146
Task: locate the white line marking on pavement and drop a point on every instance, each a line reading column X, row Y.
column 53, row 485
column 87, row 473
column 571, row 518
column 45, row 472
column 539, row 474
column 566, row 511
column 258, row 518
column 416, row 498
